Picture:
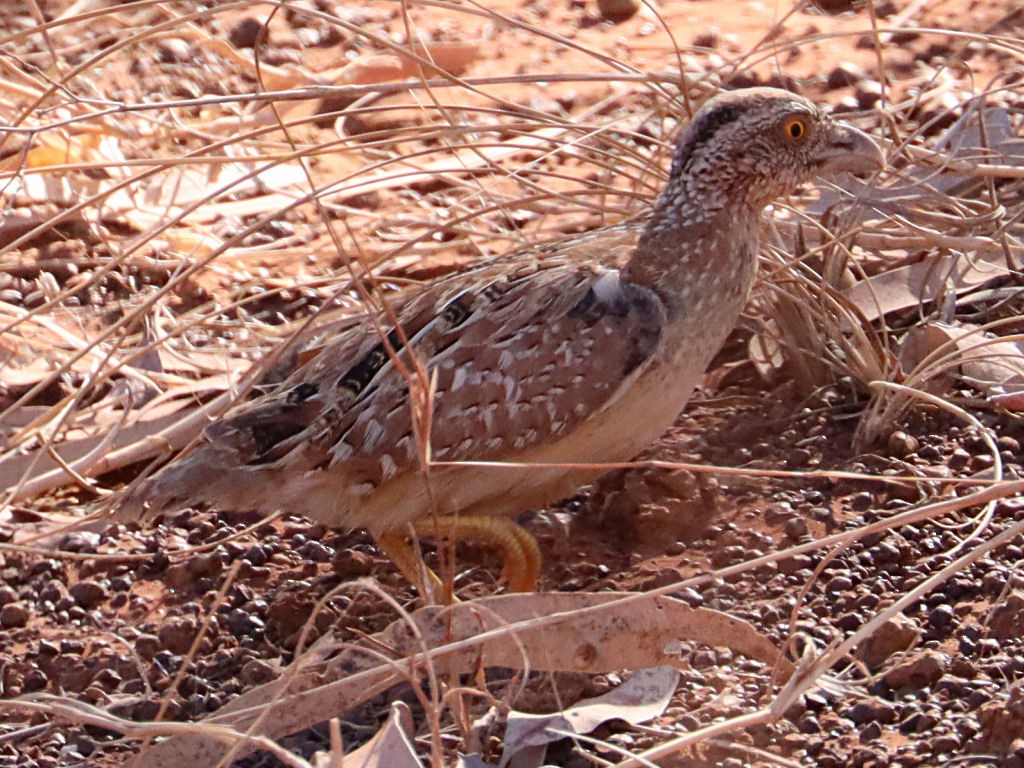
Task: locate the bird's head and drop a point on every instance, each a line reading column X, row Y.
column 751, row 146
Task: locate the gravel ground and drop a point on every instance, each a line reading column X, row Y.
column 937, row 684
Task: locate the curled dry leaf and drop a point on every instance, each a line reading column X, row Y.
column 992, row 366
column 99, row 151
column 930, row 355
column 390, row 747
column 915, row 347
column 642, row 697
column 452, row 57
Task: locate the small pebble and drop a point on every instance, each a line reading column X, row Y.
column 845, row 74
column 7, row 595
column 795, row 528
column 80, row 541
column 896, row 634
column 941, row 616
column 147, row 646
column 835, row 7
column 88, row 594
column 35, row 680
column 241, row 623
column 870, row 732
column 246, row 33
column 919, row 671
column 618, row 10
column 177, row 634
column 861, row 502
column 14, row 615
column 173, row 49
column 901, row 444
column 707, row 39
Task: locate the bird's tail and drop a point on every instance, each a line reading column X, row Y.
column 211, row 474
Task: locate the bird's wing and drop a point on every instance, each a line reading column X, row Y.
column 515, row 361
column 260, row 429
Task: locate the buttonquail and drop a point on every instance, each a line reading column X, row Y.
column 539, row 358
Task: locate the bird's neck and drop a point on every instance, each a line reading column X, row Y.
column 696, row 256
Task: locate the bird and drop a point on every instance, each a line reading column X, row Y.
column 515, row 377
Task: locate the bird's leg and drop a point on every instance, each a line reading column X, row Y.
column 406, row 556
column 520, row 551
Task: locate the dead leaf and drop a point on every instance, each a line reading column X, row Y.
column 916, row 346
column 910, row 286
column 990, row 365
column 644, row 696
column 390, row 747
column 451, row 57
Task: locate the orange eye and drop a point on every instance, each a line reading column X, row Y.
column 795, row 128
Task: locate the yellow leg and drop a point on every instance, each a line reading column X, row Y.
column 519, row 549
column 406, row 557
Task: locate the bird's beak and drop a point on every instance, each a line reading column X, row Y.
column 848, row 149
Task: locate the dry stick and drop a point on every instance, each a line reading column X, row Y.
column 880, row 41
column 337, row 744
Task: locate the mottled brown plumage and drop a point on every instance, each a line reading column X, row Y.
column 539, row 357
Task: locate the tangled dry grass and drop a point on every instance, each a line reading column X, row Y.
column 194, row 197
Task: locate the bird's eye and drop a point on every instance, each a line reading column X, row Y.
column 795, row 128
